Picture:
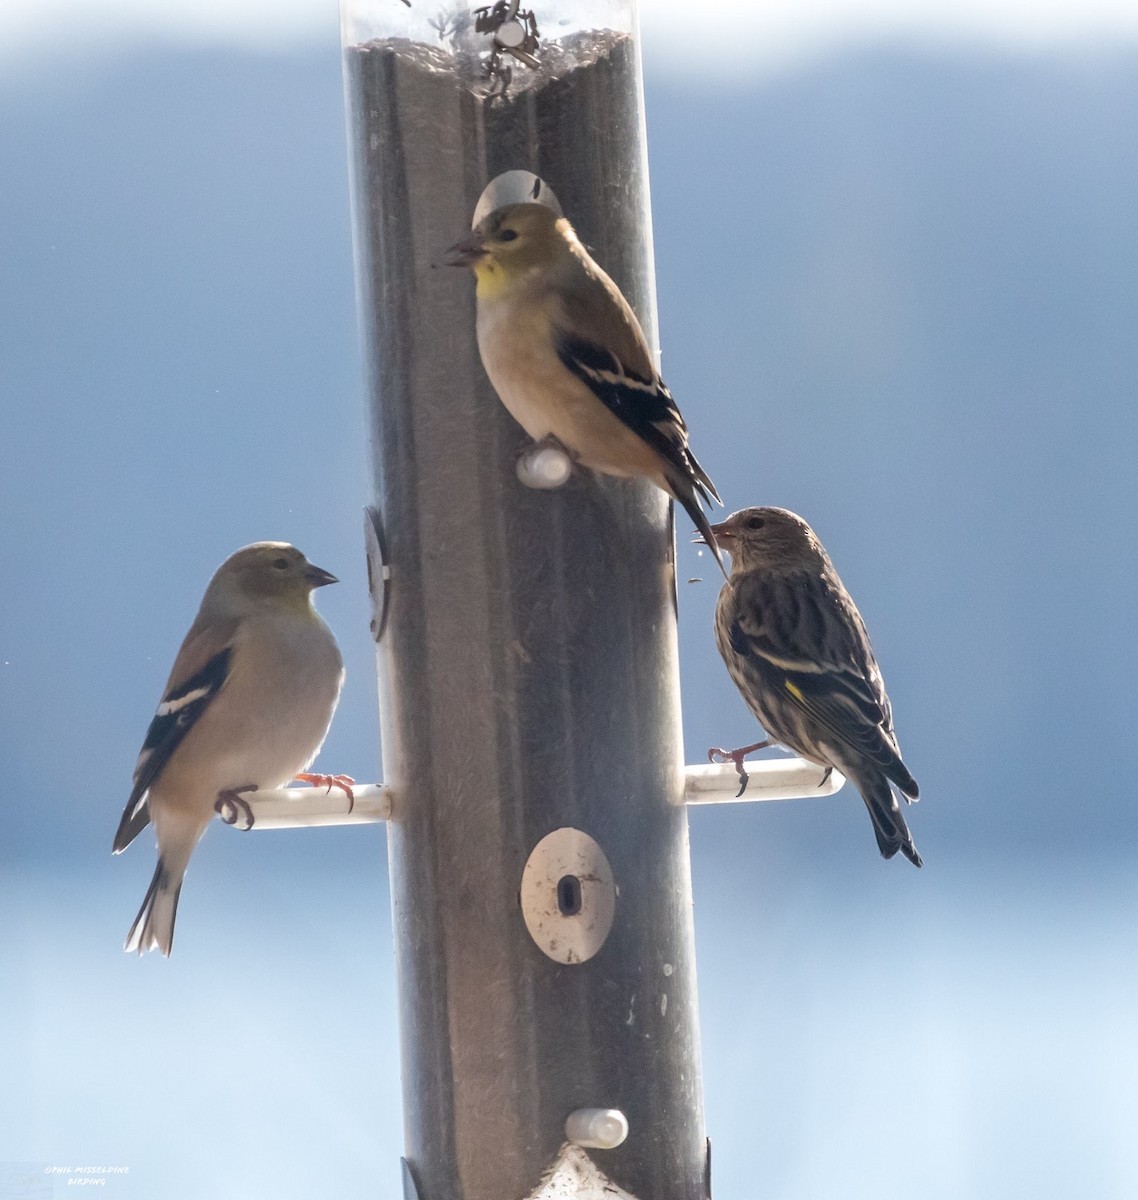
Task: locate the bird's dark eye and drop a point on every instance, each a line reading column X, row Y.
column 507, row 235
column 755, row 522
column 281, row 564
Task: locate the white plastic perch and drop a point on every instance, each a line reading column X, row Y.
column 298, row 808
column 597, row 1128
column 770, row 779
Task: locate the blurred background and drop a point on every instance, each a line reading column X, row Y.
column 897, row 264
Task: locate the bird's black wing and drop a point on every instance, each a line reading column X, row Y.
column 639, row 400
column 181, row 706
column 806, row 649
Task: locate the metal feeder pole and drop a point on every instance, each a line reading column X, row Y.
column 526, row 640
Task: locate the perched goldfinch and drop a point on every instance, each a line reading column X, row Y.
column 247, row 706
column 797, row 649
column 568, row 358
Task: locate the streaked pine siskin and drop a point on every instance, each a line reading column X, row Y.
column 798, row 651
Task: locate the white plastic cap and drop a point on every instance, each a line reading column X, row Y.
column 514, row 187
column 544, row 466
column 596, row 1128
column 510, row 33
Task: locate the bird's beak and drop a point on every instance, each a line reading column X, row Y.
column 467, row 252
column 318, row 577
column 723, row 534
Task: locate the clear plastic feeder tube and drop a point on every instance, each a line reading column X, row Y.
column 528, row 664
column 437, row 110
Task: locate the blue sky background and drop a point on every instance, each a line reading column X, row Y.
column 897, row 290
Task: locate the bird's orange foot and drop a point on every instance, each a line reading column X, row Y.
column 231, row 804
column 720, row 757
column 343, row 782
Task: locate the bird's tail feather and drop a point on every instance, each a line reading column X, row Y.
column 153, row 928
column 900, row 775
column 703, row 480
column 685, row 493
column 888, row 823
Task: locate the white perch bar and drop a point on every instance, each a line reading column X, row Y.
column 597, row 1128
column 770, row 779
column 298, row 808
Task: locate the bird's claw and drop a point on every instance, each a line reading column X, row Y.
column 328, row 782
column 231, row 804
column 722, row 757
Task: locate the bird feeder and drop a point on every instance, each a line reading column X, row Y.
column 525, row 626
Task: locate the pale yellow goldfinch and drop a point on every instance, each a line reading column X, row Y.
column 247, row 706
column 568, row 358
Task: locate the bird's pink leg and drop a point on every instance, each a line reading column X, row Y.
column 343, row 782
column 720, row 756
column 230, row 803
